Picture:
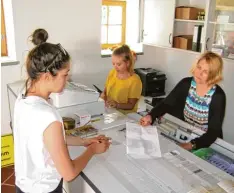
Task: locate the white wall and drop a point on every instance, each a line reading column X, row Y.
column 176, row 64
column 132, row 21
column 8, row 74
column 75, row 24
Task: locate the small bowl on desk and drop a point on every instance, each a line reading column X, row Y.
column 69, row 123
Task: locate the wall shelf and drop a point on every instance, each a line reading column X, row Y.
column 219, row 23
column 162, row 35
column 189, row 21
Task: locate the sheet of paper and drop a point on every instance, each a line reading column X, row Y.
column 227, row 185
column 142, row 142
column 214, row 189
column 199, row 190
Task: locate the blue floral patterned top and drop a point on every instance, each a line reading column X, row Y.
column 196, row 110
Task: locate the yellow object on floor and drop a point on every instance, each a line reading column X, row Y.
column 7, row 152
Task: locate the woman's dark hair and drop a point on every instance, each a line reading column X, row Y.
column 126, row 53
column 45, row 57
column 39, row 36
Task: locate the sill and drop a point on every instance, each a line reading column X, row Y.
column 138, row 48
column 9, row 62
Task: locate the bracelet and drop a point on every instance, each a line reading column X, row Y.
column 194, row 146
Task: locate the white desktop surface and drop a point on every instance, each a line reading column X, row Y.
column 115, row 171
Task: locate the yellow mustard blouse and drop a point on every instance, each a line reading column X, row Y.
column 121, row 90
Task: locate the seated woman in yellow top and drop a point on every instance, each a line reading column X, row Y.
column 123, row 87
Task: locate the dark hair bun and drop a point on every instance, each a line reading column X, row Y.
column 39, row 36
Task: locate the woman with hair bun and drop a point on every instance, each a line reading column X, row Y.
column 39, row 36
column 42, row 160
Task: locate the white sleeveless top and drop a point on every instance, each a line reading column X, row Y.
column 34, row 169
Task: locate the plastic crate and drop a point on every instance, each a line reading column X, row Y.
column 220, row 161
column 204, row 153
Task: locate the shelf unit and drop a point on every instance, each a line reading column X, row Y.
column 159, row 15
column 221, row 34
column 186, row 27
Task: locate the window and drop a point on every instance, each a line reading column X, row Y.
column 3, row 34
column 8, row 53
column 113, row 29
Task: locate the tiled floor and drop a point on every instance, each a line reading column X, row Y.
column 8, row 180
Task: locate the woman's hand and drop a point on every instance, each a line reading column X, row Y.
column 89, row 141
column 146, row 120
column 103, row 96
column 111, row 103
column 187, row 146
column 100, row 147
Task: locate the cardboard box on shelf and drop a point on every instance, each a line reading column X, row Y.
column 183, row 42
column 189, row 13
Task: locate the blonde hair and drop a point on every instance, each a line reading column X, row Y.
column 127, row 54
column 215, row 64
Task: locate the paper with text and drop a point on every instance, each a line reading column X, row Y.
column 227, row 185
column 142, row 142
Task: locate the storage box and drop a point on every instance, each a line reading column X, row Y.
column 183, row 42
column 190, row 13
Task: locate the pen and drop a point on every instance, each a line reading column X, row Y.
column 97, row 115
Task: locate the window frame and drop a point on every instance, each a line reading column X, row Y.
column 11, row 58
column 123, row 5
column 4, row 48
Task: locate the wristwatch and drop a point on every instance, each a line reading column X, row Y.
column 194, row 146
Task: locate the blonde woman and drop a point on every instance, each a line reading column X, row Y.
column 197, row 100
column 123, row 87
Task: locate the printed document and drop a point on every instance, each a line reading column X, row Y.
column 142, row 142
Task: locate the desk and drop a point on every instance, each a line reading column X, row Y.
column 115, row 171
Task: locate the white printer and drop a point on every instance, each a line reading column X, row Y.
column 74, row 97
column 74, row 94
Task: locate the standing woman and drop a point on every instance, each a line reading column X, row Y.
column 42, row 160
column 198, row 100
column 123, row 87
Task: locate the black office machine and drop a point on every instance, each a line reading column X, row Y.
column 153, row 81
